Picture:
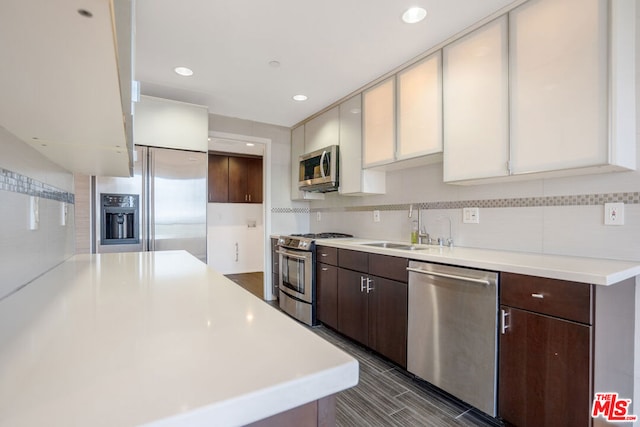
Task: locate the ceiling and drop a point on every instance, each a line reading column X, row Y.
column 325, row 49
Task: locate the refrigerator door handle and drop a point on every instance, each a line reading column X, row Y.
column 151, row 241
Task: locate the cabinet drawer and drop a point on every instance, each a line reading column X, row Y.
column 390, row 267
column 327, row 255
column 559, row 298
column 353, row 260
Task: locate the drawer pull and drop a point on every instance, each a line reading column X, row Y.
column 325, row 269
column 323, row 254
column 539, row 296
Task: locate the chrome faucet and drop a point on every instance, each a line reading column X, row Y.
column 422, row 232
column 449, row 240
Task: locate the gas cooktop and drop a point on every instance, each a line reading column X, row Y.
column 326, row 235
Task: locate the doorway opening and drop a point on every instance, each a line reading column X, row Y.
column 238, row 230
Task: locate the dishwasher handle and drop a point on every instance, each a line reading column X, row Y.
column 449, row 276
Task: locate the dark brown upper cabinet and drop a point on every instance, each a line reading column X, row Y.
column 235, row 179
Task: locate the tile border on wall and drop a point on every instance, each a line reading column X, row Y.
column 18, row 183
column 290, row 210
column 519, row 202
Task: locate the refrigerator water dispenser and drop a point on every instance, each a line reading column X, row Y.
column 120, row 219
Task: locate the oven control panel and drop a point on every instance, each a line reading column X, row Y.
column 300, row 243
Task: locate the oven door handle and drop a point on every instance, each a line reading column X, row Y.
column 289, row 254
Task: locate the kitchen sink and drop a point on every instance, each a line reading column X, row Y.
column 389, row 245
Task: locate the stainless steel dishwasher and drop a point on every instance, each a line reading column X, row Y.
column 452, row 336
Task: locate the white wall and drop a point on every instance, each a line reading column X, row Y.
column 25, row 254
column 235, row 235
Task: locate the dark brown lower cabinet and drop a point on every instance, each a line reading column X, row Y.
column 545, row 359
column 388, row 309
column 545, row 371
column 353, row 306
column 275, row 267
column 327, row 294
column 373, row 311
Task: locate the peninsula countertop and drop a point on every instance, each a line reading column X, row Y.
column 154, row 338
column 577, row 269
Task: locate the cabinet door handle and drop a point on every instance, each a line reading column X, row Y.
column 245, row 197
column 369, row 282
column 539, row 296
column 503, row 321
column 362, row 285
column 249, row 197
column 236, row 252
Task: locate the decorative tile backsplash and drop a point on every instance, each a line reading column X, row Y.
column 18, row 183
column 290, row 210
column 573, row 200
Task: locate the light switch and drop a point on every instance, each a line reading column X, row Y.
column 471, row 215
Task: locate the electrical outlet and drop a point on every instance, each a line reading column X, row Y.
column 318, row 216
column 471, row 215
column 376, row 216
column 64, row 212
column 614, row 213
column 34, row 213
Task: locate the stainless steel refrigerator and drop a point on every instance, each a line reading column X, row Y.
column 162, row 207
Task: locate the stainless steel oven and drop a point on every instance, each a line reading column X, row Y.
column 296, row 278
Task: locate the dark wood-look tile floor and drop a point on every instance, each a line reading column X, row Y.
column 386, row 395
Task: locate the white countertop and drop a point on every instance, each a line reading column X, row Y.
column 154, row 338
column 577, row 269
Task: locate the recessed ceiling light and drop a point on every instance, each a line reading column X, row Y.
column 413, row 15
column 300, row 97
column 250, row 144
column 85, row 13
column 183, row 71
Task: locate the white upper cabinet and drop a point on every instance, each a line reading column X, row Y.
column 475, row 91
column 171, row 124
column 561, row 100
column 379, row 123
column 322, row 131
column 419, row 108
column 66, row 82
column 354, row 180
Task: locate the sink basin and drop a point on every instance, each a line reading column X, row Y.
column 403, row 246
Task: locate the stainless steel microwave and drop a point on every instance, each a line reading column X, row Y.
column 318, row 170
